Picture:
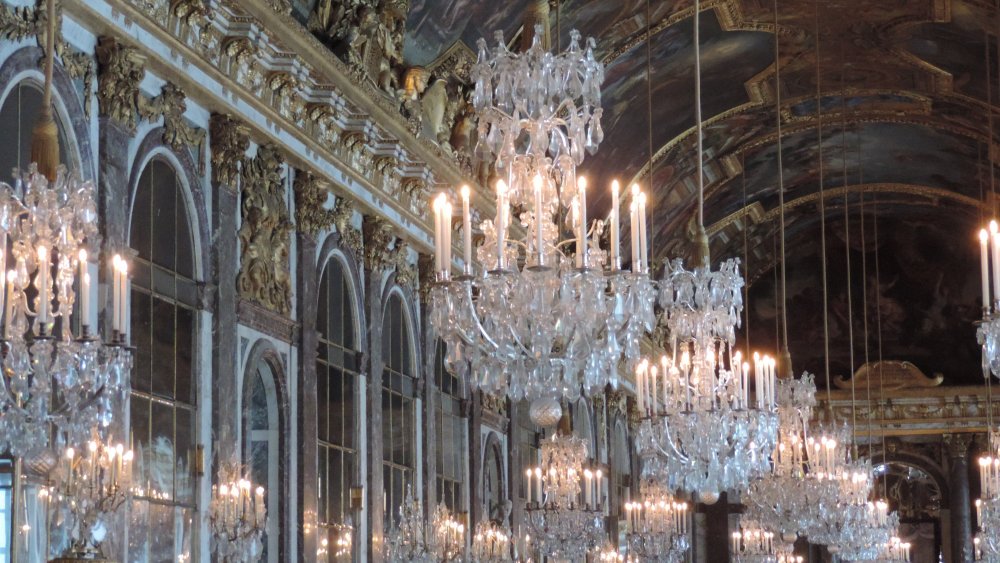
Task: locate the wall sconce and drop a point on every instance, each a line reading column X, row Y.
column 357, row 498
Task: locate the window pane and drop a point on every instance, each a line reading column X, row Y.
column 164, row 343
column 184, row 377
column 142, row 367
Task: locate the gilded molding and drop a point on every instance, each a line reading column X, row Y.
column 958, row 445
column 311, row 214
column 343, row 215
column 406, row 273
column 230, row 139
column 21, row 22
column 493, row 403
column 121, row 70
column 171, row 105
column 264, row 276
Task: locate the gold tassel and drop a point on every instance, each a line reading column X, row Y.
column 45, row 144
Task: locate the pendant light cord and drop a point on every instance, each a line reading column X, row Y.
column 45, row 136
column 822, row 214
column 786, row 368
column 847, row 249
column 697, row 113
column 864, row 291
column 649, row 111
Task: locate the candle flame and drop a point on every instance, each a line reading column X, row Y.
column 465, row 192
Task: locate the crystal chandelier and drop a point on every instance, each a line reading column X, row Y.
column 565, row 511
column 92, row 485
column 837, row 516
column 988, row 507
column 447, row 536
column 806, row 473
column 753, row 543
column 53, row 374
column 657, row 526
column 491, row 543
column 869, row 529
column 237, row 518
column 548, row 314
column 407, row 539
column 700, row 432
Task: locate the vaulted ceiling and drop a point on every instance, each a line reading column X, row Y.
column 901, row 138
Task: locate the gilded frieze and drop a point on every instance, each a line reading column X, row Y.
column 264, row 235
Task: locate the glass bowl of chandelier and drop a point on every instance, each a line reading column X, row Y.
column 700, row 432
column 541, row 311
column 566, row 502
column 754, row 543
column 657, row 526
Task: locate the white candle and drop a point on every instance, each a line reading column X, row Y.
column 538, row 220
column 126, row 302
column 466, row 229
column 995, row 239
column 745, row 382
column 501, row 221
column 984, row 261
column 84, row 291
column 116, row 293
column 652, row 377
column 527, row 475
column 8, row 314
column 588, row 476
column 538, row 483
column 582, row 189
column 634, row 220
column 437, row 234
column 42, row 283
column 599, row 499
column 663, row 376
column 643, row 252
column 615, row 250
column 575, row 212
column 446, row 207
column 638, row 390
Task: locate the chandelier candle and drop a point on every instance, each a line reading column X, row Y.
column 466, row 230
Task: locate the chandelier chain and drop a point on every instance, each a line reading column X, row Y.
column 697, row 113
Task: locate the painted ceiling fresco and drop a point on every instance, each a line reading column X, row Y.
column 907, row 81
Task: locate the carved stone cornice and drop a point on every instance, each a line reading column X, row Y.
column 264, row 276
column 121, row 69
column 230, row 139
column 343, row 215
column 378, row 237
column 914, row 412
column 311, row 214
column 493, row 403
column 171, row 105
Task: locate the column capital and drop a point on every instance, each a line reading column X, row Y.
column 958, row 445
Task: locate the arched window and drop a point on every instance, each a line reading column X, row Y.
column 17, row 117
column 164, row 301
column 261, row 445
column 337, row 382
column 450, row 427
column 398, row 413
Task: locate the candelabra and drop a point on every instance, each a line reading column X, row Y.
column 869, row 529
column 988, row 333
column 895, row 551
column 91, row 485
column 491, row 543
column 657, row 526
column 700, row 432
column 566, row 502
column 53, row 374
column 988, row 519
column 237, row 518
column 548, row 315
